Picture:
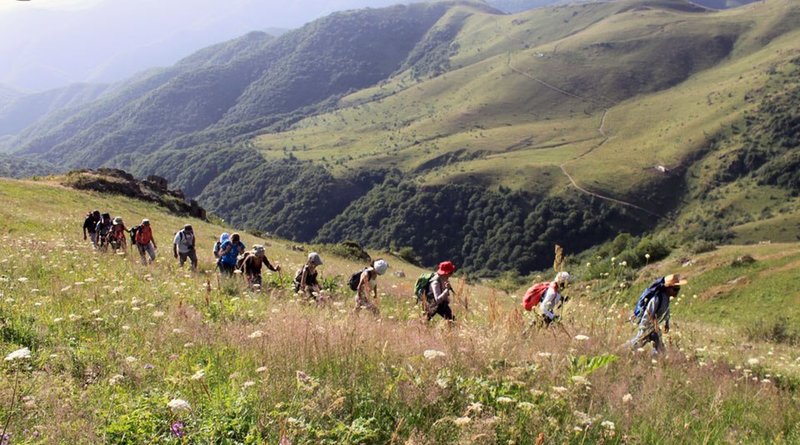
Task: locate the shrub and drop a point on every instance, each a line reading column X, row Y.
column 408, row 254
column 744, row 260
column 775, row 331
column 702, row 246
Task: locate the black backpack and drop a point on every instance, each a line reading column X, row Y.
column 355, row 279
column 133, row 230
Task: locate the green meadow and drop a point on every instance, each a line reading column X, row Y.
column 123, row 353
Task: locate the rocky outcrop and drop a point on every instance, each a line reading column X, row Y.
column 153, row 189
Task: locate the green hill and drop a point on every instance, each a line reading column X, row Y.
column 457, row 131
column 112, row 343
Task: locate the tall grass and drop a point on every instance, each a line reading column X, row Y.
column 113, row 342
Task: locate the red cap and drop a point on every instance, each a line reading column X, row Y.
column 446, row 268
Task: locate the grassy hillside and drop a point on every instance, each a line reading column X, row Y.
column 113, row 342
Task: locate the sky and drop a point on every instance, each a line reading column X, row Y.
column 47, row 44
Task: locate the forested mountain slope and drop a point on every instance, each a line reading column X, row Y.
column 456, row 130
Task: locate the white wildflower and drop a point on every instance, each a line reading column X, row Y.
column 505, row 400
column 475, row 407
column 198, row 375
column 580, row 380
column 607, row 424
column 19, row 354
column 248, row 383
column 178, row 405
column 431, row 354
column 115, row 379
column 461, row 421
column 131, row 359
column 261, row 369
column 526, row 406
column 559, row 389
column 752, row 361
column 581, row 337
column 627, row 398
column 256, row 334
column 158, row 314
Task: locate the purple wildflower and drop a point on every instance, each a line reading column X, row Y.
column 176, row 428
column 6, row 439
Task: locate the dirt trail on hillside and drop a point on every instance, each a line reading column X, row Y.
column 600, row 130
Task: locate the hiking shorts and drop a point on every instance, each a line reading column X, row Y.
column 226, row 269
column 643, row 337
column 364, row 302
column 254, row 279
column 93, row 237
column 147, row 249
column 191, row 255
column 442, row 308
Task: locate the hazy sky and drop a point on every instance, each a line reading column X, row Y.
column 51, row 43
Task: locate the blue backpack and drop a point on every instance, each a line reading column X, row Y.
column 645, row 298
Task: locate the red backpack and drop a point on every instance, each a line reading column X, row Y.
column 534, row 295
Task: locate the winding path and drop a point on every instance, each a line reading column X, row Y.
column 600, row 129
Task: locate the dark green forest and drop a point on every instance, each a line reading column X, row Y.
column 483, row 231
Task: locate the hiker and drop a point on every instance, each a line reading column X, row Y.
column 183, row 246
column 102, row 230
column 306, row 279
column 653, row 309
column 229, row 250
column 439, row 290
column 90, row 226
column 251, row 265
column 145, row 243
column 367, row 285
column 224, row 237
column 552, row 298
column 116, row 238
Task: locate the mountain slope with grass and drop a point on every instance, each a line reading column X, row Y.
column 564, row 124
column 100, row 349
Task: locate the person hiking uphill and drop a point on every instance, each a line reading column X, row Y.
column 145, row 243
column 653, row 308
column 251, row 265
column 90, row 226
column 102, row 230
column 228, row 253
column 306, row 279
column 183, row 246
column 552, row 298
column 222, row 238
column 439, row 291
column 117, row 236
column 367, row 284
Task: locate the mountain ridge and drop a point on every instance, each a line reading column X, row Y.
column 476, row 99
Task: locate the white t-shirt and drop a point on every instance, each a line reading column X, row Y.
column 184, row 241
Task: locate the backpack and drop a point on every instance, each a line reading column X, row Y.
column 240, row 260
column 133, row 232
column 355, row 279
column 421, row 286
column 297, row 278
column 644, row 299
column 534, row 294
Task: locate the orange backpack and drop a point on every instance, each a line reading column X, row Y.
column 535, row 293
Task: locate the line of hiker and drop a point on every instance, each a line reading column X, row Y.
column 106, row 233
column 433, row 290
